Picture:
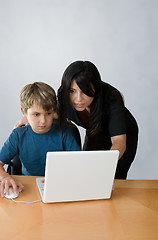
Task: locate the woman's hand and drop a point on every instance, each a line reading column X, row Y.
column 22, row 122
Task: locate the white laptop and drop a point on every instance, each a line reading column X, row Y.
column 78, row 176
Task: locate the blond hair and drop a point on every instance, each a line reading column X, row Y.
column 39, row 93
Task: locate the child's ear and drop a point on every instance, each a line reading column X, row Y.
column 22, row 111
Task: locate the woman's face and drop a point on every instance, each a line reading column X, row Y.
column 79, row 100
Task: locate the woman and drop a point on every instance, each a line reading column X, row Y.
column 99, row 108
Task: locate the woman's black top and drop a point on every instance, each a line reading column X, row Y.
column 115, row 120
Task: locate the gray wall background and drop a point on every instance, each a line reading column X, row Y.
column 40, row 38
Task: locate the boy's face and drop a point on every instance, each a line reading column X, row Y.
column 39, row 119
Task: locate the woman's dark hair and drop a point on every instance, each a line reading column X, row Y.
column 88, row 79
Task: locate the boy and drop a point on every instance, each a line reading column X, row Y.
column 32, row 142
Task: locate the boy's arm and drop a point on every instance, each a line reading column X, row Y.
column 8, row 181
column 72, row 140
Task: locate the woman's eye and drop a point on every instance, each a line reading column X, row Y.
column 71, row 90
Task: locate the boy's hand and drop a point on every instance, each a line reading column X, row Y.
column 43, row 180
column 10, row 182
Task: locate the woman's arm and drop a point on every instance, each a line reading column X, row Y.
column 119, row 143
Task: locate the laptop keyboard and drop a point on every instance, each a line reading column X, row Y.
column 40, row 185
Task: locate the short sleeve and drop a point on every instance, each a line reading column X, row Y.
column 70, row 143
column 10, row 148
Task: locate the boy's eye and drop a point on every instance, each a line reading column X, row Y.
column 36, row 114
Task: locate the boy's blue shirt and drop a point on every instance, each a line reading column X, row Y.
column 32, row 147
